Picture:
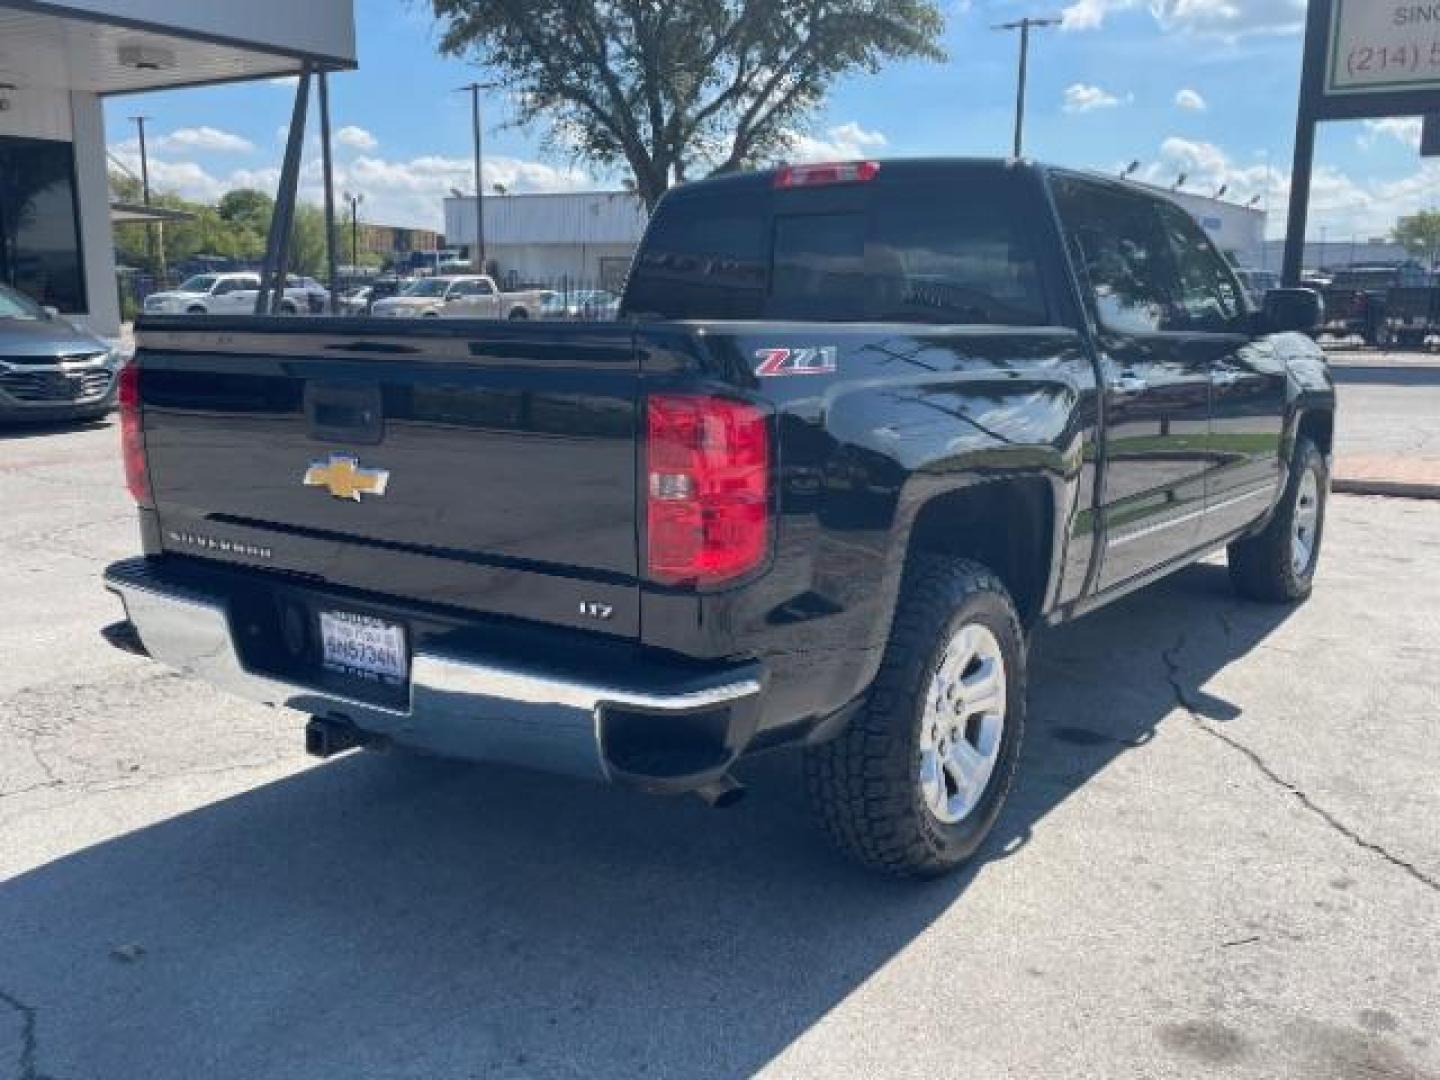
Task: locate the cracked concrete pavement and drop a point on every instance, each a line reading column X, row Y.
column 1221, row 859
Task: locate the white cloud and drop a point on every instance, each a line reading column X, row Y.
column 840, row 143
column 1404, row 129
column 206, row 139
column 1191, row 100
column 203, row 139
column 357, row 138
column 1227, row 19
column 1340, row 204
column 1083, row 98
column 409, row 192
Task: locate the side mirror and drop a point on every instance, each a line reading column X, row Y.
column 1293, row 309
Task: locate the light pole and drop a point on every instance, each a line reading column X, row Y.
column 1024, row 26
column 354, row 199
column 156, row 251
column 477, row 257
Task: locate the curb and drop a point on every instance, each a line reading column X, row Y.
column 1395, row 489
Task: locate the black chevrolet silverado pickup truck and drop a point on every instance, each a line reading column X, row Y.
column 859, row 428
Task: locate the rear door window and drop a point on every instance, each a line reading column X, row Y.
column 1123, row 255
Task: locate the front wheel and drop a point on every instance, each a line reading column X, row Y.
column 1277, row 565
column 915, row 783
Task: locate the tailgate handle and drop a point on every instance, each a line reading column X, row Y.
column 345, row 412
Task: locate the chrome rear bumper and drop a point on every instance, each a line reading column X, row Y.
column 458, row 706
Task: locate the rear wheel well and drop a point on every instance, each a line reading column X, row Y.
column 1319, row 427
column 1005, row 525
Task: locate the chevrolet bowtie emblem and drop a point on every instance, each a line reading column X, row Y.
column 342, row 475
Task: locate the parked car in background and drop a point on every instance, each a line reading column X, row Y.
column 234, row 294
column 207, row 294
column 51, row 369
column 588, row 304
column 316, row 297
column 461, row 296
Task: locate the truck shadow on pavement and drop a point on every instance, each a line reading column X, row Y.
column 385, row 915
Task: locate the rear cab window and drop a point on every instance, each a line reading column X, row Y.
column 943, row 246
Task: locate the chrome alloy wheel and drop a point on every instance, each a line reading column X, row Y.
column 963, row 724
column 1304, row 531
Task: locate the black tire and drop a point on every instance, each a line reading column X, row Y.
column 1264, row 566
column 519, row 313
column 195, row 309
column 865, row 785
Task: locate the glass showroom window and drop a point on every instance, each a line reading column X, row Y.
column 39, row 222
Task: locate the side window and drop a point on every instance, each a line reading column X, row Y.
column 1122, row 253
column 225, row 287
column 463, row 290
column 1209, row 298
column 484, row 288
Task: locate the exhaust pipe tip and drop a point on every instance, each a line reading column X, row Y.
column 721, row 794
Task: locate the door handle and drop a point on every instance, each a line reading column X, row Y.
column 1128, row 383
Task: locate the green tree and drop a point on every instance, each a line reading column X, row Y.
column 667, row 89
column 236, row 227
column 248, row 208
column 1420, row 233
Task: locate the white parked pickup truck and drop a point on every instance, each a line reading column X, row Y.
column 234, row 294
column 461, row 296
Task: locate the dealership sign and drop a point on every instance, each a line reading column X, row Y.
column 1383, row 45
column 1363, row 59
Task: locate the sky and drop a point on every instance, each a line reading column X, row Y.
column 1203, row 87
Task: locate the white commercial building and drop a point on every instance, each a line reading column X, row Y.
column 58, row 61
column 587, row 237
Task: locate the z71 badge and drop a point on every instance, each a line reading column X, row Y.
column 816, row 360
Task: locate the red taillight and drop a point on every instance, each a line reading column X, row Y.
column 132, row 433
column 830, row 172
column 707, row 488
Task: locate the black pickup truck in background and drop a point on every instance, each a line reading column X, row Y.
column 1387, row 305
column 859, row 429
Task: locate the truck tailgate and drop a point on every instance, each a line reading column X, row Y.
column 485, row 466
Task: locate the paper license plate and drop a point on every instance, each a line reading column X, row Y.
column 364, row 647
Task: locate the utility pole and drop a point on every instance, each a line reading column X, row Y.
column 157, row 260
column 354, row 199
column 477, row 257
column 1024, row 26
